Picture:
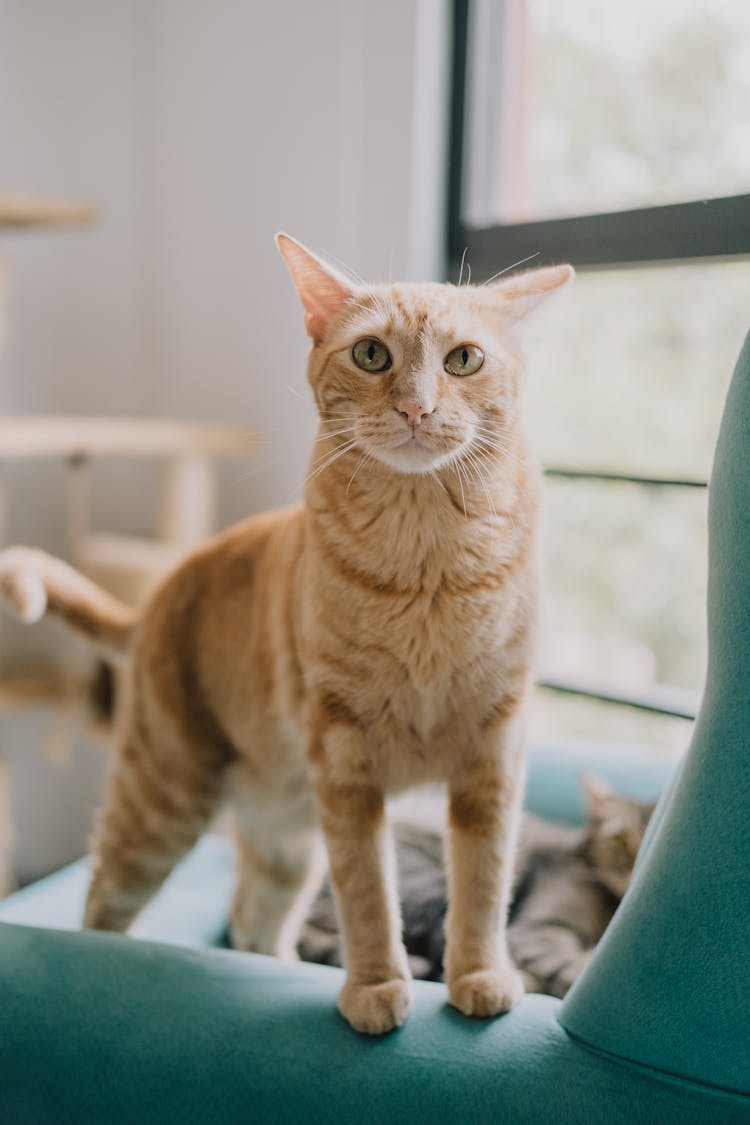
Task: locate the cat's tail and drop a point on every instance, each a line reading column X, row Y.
column 33, row 585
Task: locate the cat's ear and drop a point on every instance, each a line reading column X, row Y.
column 524, row 291
column 322, row 291
column 598, row 793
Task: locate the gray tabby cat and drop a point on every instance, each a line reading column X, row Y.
column 569, row 882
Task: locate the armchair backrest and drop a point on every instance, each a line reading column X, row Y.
column 669, row 986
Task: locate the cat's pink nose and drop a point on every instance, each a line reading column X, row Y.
column 413, row 412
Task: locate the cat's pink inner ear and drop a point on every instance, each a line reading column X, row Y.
column 524, row 291
column 322, row 291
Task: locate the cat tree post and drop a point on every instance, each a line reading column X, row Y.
column 77, row 499
column 190, row 499
column 669, row 987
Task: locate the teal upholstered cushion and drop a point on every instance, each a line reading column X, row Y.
column 96, row 1028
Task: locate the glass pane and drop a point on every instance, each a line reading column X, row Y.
column 606, row 107
column 629, row 368
column 628, row 372
column 626, row 584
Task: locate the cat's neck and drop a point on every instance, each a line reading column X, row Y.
column 397, row 524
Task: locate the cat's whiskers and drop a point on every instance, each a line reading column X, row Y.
column 387, row 306
column 499, row 450
column 360, row 464
column 366, row 309
column 329, row 460
column 331, row 418
column 491, row 432
column 521, row 262
column 476, row 464
column 333, row 433
column 487, row 458
column 460, row 475
column 327, row 453
column 368, row 324
column 255, row 470
column 495, row 460
column 433, row 473
column 461, row 271
column 350, row 273
column 491, row 444
column 377, row 306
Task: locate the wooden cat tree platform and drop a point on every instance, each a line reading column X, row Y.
column 18, row 211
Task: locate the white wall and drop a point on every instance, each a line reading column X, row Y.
column 200, row 127
column 288, row 116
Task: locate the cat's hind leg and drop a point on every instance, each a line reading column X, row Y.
column 280, row 867
column 165, row 788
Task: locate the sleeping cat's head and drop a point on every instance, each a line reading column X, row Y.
column 616, row 827
column 419, row 375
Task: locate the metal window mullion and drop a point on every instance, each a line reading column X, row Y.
column 604, row 477
column 659, row 700
column 715, row 228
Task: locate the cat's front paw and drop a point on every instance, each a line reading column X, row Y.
column 375, row 1008
column 487, row 992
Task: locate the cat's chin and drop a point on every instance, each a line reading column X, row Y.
column 414, row 457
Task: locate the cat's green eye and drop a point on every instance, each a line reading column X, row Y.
column 464, row 360
column 370, row 355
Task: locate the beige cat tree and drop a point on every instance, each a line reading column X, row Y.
column 126, row 565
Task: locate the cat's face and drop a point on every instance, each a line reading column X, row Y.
column 422, row 374
column 617, row 825
column 417, row 375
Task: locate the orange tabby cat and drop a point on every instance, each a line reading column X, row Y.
column 308, row 662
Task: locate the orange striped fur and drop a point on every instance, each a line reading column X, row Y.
column 309, row 662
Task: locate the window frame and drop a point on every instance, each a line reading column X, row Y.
column 674, row 232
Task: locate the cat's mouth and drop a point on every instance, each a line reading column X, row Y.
column 413, row 441
column 416, row 454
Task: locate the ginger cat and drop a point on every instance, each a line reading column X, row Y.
column 310, row 661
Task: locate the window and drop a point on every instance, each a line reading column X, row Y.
column 615, row 137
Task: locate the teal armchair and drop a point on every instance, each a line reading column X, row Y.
column 103, row 1028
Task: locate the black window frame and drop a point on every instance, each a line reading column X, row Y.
column 702, row 228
